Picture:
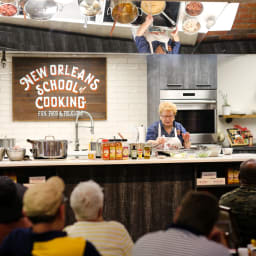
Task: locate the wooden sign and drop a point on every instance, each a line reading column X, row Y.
column 54, row 89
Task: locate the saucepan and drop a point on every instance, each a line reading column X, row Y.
column 124, row 12
column 155, row 8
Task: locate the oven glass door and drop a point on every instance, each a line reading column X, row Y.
column 197, row 120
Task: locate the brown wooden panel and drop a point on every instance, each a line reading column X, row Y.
column 54, row 89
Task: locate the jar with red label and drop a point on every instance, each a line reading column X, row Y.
column 119, row 150
column 112, row 150
column 105, row 150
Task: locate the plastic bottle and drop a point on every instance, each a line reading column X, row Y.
column 134, row 152
column 119, row 150
column 147, row 151
column 125, row 149
column 105, row 150
column 112, row 150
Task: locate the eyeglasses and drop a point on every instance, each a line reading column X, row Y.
column 171, row 116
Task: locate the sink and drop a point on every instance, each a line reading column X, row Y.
column 81, row 154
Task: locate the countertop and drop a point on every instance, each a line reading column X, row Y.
column 73, row 161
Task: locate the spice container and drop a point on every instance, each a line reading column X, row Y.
column 92, row 155
column 140, row 153
column 105, row 151
column 112, row 149
column 134, row 152
column 250, row 140
column 119, row 150
column 147, row 151
column 125, row 150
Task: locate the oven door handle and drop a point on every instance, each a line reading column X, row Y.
column 190, row 101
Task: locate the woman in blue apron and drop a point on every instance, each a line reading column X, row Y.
column 167, row 131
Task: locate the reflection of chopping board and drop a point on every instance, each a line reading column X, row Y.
column 152, row 7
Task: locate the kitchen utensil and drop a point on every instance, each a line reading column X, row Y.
column 7, row 142
column 89, row 7
column 155, row 8
column 123, row 11
column 49, row 148
column 213, row 148
column 194, row 8
column 191, row 25
column 16, row 154
column 41, row 9
column 2, row 153
column 227, row 151
column 8, row 9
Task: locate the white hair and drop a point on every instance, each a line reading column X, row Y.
column 86, row 199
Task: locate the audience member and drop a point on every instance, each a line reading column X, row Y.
column 44, row 206
column 11, row 215
column 109, row 237
column 189, row 235
column 242, row 202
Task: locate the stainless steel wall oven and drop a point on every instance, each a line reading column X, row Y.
column 196, row 111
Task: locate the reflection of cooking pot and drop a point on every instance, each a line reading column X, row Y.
column 41, row 9
column 155, row 8
column 123, row 12
column 49, row 149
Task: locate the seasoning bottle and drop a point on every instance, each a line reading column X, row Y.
column 105, row 152
column 134, row 152
column 112, row 149
column 250, row 140
column 125, row 149
column 140, row 153
column 119, row 150
column 147, row 151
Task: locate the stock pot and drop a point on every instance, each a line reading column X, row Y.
column 49, row 148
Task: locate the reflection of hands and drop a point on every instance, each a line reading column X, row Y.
column 160, row 140
column 149, row 20
column 175, row 35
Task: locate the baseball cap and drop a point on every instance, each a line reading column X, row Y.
column 10, row 200
column 44, row 199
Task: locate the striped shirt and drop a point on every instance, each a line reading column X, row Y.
column 109, row 237
column 177, row 242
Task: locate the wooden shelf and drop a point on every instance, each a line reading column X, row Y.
column 218, row 186
column 229, row 118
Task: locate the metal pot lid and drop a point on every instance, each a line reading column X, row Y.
column 41, row 9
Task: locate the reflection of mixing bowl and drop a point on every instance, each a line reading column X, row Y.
column 191, row 25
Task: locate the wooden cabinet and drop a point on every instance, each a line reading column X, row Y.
column 187, row 71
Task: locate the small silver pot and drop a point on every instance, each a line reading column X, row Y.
column 49, row 149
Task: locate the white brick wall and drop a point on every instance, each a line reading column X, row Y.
column 126, row 103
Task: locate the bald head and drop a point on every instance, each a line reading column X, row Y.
column 248, row 172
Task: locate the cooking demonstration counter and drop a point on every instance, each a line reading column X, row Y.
column 141, row 194
column 71, row 161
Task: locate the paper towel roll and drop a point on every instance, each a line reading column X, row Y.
column 141, row 134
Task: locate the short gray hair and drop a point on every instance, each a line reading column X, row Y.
column 86, row 199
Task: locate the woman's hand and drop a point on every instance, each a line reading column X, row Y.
column 160, row 140
column 186, row 138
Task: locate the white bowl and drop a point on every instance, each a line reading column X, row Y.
column 227, row 151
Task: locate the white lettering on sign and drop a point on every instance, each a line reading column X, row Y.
column 77, row 81
column 61, row 102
